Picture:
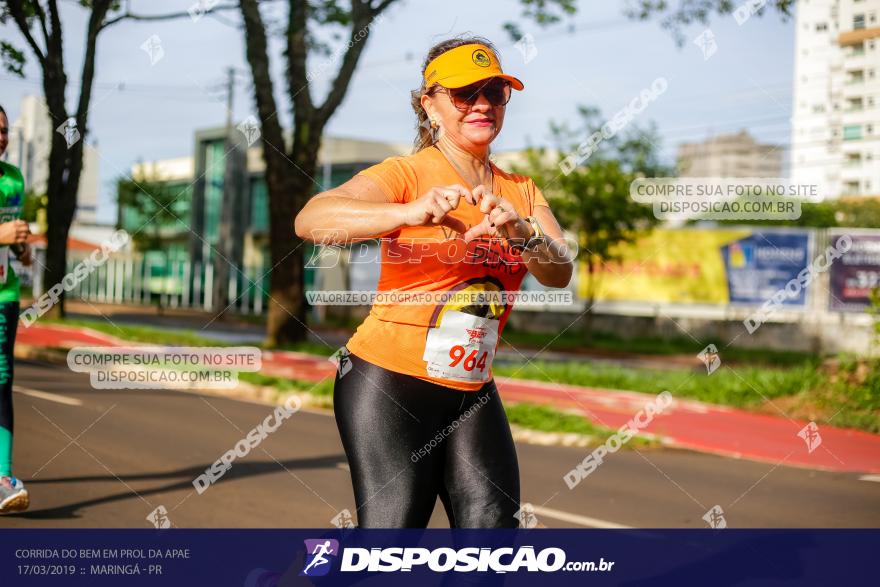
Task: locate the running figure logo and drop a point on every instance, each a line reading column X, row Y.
column 715, row 518
column 317, row 561
column 810, row 434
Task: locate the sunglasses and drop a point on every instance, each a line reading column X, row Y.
column 497, row 93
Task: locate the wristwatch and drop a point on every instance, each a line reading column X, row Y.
column 538, row 237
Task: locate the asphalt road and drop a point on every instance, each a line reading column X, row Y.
column 98, row 458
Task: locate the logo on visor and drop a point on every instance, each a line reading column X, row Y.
column 481, row 58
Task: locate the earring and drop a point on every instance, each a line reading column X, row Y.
column 435, row 130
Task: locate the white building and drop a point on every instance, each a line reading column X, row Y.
column 836, row 122
column 30, row 141
column 730, row 155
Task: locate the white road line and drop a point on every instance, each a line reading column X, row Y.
column 556, row 514
column 870, row 478
column 577, row 519
column 52, row 397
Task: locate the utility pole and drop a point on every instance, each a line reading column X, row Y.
column 227, row 253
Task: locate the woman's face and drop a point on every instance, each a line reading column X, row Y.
column 476, row 127
column 4, row 133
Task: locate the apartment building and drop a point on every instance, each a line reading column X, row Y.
column 730, row 155
column 836, row 111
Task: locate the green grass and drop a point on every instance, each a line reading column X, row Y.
column 282, row 384
column 547, row 419
column 602, row 341
column 143, row 334
column 313, row 348
column 736, row 386
column 150, row 335
column 852, row 398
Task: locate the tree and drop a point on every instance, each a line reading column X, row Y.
column 676, row 15
column 290, row 167
column 156, row 209
column 593, row 197
column 34, row 209
column 858, row 212
column 39, row 22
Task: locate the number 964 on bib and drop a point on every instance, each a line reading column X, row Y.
column 462, row 347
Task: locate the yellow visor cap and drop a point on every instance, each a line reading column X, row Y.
column 466, row 65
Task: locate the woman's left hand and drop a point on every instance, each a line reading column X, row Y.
column 501, row 218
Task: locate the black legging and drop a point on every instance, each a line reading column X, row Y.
column 409, row 440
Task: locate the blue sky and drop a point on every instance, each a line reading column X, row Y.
column 606, row 61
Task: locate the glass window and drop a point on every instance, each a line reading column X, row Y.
column 259, row 205
column 852, row 132
column 215, row 167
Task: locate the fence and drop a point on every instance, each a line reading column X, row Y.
column 136, row 279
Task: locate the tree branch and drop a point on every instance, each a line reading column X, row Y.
column 16, row 9
column 362, row 20
column 297, row 51
column 42, row 19
column 381, row 7
column 55, row 44
column 99, row 12
column 168, row 16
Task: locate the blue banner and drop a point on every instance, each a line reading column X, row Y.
column 764, row 263
column 268, row 558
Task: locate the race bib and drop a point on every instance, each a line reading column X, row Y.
column 462, row 347
column 4, row 264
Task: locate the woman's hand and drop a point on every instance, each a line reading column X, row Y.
column 434, row 207
column 14, row 232
column 501, row 218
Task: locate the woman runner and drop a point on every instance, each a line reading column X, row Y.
column 418, row 411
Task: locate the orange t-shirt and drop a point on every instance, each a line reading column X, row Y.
column 448, row 342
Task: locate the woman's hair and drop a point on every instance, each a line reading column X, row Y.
column 424, row 135
column 1, row 109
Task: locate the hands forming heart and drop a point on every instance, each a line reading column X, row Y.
column 500, row 216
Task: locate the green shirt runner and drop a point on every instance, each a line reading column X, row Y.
column 11, row 204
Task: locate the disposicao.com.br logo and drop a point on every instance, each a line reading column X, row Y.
column 443, row 559
column 320, row 553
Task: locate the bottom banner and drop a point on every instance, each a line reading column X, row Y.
column 268, row 558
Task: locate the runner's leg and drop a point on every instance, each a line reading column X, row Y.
column 481, row 473
column 384, row 418
column 8, row 326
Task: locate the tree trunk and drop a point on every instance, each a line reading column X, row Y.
column 290, row 178
column 65, row 167
column 286, row 320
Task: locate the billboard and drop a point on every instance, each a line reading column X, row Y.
column 855, row 273
column 704, row 266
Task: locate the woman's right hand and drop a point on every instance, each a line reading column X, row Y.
column 434, row 207
column 14, row 232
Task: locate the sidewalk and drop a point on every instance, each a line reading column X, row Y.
column 686, row 424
